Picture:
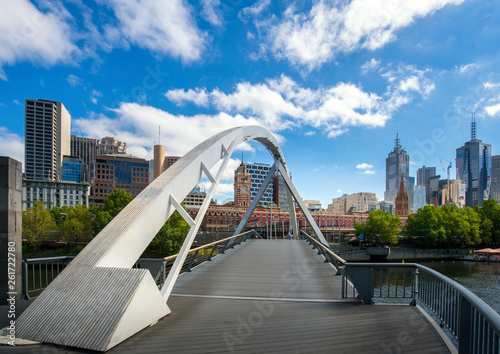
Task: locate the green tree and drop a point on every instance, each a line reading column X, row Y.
column 171, row 236
column 38, row 224
column 381, row 226
column 490, row 222
column 100, row 218
column 425, row 228
column 116, row 201
column 77, row 226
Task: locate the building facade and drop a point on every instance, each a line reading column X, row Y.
column 195, row 198
column 337, row 206
column 397, row 165
column 47, row 139
column 110, row 145
column 86, row 149
column 473, row 167
column 258, row 172
column 73, row 169
column 424, row 175
column 242, row 187
column 55, row 193
column 495, row 178
column 121, row 171
column 454, row 192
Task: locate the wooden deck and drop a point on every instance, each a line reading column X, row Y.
column 273, row 296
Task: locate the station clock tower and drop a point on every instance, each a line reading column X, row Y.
column 242, row 184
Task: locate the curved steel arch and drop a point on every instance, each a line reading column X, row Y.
column 128, row 299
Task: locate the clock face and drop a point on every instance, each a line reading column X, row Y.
column 244, row 188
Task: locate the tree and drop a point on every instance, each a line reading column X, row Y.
column 77, row 226
column 380, row 226
column 100, row 218
column 425, row 228
column 116, row 201
column 38, row 224
column 171, row 236
column 490, row 222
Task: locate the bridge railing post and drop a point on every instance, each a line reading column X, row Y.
column 465, row 330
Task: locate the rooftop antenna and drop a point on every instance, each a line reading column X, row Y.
column 397, row 145
column 473, row 126
column 159, row 135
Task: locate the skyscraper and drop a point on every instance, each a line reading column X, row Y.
column 473, row 166
column 47, row 139
column 495, row 178
column 424, row 175
column 258, row 172
column 397, row 165
column 86, row 149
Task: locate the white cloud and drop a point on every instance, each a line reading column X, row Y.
column 254, row 10
column 224, row 190
column 491, row 85
column 464, row 68
column 28, row 34
column 281, row 103
column 318, row 35
column 310, row 133
column 95, row 95
column 178, row 96
column 493, row 110
column 210, row 11
column 162, row 26
column 364, row 166
column 138, row 126
column 17, row 102
column 340, row 191
column 370, row 65
column 11, row 145
column 74, row 80
column 369, row 172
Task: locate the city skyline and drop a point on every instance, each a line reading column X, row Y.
column 335, row 89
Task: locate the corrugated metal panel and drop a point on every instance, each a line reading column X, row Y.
column 83, row 312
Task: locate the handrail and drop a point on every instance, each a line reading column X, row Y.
column 39, row 272
column 473, row 323
column 330, row 256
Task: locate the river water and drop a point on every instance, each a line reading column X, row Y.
column 482, row 278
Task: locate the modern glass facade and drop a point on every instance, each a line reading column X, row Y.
column 473, row 167
column 72, row 171
column 396, row 164
column 495, row 178
column 86, row 149
column 258, row 172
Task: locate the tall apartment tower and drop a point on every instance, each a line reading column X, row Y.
column 258, row 173
column 47, row 139
column 86, row 149
column 495, row 178
column 473, row 166
column 397, row 165
column 424, row 175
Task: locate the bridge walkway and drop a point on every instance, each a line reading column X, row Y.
column 274, row 296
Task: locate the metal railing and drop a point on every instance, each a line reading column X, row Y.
column 39, row 272
column 474, row 325
column 199, row 255
column 324, row 250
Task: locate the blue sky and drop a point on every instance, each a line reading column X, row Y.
column 333, row 80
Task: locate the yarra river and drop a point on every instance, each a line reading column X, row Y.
column 482, row 278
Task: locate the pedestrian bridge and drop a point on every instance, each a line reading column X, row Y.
column 263, row 295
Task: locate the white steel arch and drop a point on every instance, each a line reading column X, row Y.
column 128, row 299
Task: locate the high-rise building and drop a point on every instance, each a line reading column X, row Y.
column 361, row 202
column 397, row 165
column 121, row 171
column 338, row 205
column 416, row 197
column 280, row 196
column 473, row 166
column 162, row 162
column 258, row 172
column 495, row 178
column 313, row 205
column 454, row 192
column 424, row 175
column 86, row 149
column 111, row 145
column 47, row 139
